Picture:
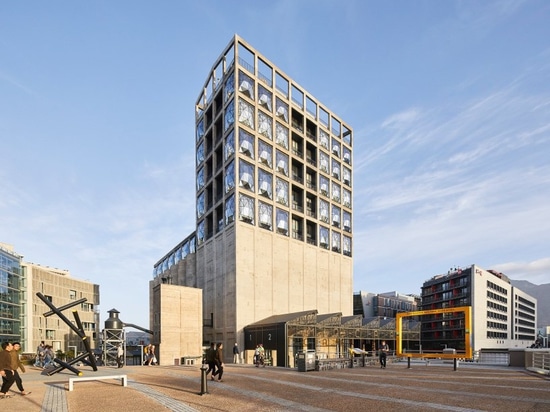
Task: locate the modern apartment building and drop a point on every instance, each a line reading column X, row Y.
column 61, row 289
column 503, row 316
column 22, row 311
column 13, row 327
column 385, row 305
column 273, row 200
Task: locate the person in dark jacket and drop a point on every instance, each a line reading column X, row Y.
column 211, row 360
column 219, row 362
column 6, row 370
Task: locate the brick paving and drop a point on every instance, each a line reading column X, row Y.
column 436, row 387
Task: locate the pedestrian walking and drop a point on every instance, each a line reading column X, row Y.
column 16, row 364
column 384, row 349
column 6, row 371
column 211, row 360
column 219, row 362
column 119, row 356
column 236, row 354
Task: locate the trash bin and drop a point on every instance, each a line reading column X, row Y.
column 306, row 361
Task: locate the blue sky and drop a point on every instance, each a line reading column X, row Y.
column 449, row 102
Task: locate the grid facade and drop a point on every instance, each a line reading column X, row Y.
column 273, row 196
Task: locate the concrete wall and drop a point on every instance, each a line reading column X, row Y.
column 177, row 322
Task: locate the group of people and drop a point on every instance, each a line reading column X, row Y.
column 214, row 359
column 44, row 356
column 9, row 364
column 259, row 355
column 149, row 357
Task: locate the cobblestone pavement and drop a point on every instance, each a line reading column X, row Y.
column 246, row 388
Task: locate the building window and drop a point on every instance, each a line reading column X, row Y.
column 281, row 110
column 265, row 185
column 265, row 153
column 50, row 334
column 229, row 117
column 265, row 97
column 246, row 143
column 282, row 222
column 323, row 237
column 336, row 192
column 336, row 242
column 246, row 175
column 281, row 189
column 230, row 177
column 323, row 138
column 246, row 209
column 72, row 294
column 246, row 114
column 323, row 211
column 265, row 215
column 230, row 209
column 282, row 162
column 200, row 205
column 246, row 85
column 229, row 147
column 265, row 125
column 281, row 135
column 229, row 88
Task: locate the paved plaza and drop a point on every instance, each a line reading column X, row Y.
column 246, row 388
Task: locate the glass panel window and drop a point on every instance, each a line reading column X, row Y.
column 323, row 161
column 347, row 155
column 229, row 148
column 323, row 237
column 282, row 162
column 246, row 175
column 323, row 211
column 200, row 178
column 281, row 110
column 200, row 205
column 335, row 126
column 347, row 246
column 336, row 242
column 265, row 185
column 265, row 215
column 323, row 185
column 200, row 130
column 246, row 209
column 346, row 198
column 265, row 98
column 347, row 135
column 335, row 148
column 346, row 176
column 246, row 114
column 200, row 153
column 230, row 209
column 229, row 88
column 246, row 85
column 265, row 125
column 336, row 192
column 265, row 153
column 246, row 143
column 323, row 138
column 335, row 169
column 335, row 216
column 281, row 189
column 281, row 135
column 229, row 117
column 282, row 222
column 230, row 177
column 200, row 232
column 346, row 221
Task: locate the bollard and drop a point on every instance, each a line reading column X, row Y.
column 204, row 380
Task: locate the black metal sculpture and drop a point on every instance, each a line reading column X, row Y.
column 78, row 329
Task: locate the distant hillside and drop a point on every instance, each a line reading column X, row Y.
column 541, row 292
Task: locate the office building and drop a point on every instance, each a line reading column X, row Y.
column 13, row 326
column 503, row 316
